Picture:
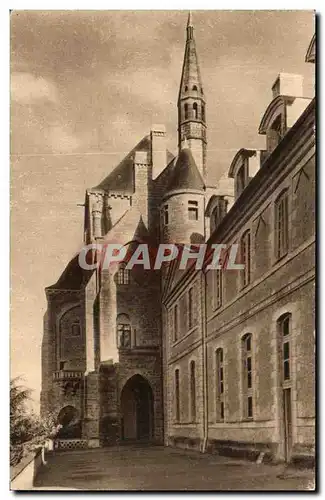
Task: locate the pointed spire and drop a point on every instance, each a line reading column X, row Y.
column 190, row 27
column 191, row 78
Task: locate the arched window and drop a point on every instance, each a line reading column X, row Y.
column 284, row 329
column 219, row 386
column 186, row 88
column 194, row 88
column 192, row 391
column 281, row 225
column 203, row 112
column 123, row 275
column 186, row 111
column 245, row 250
column 195, row 110
column 247, row 375
column 123, row 331
column 177, row 402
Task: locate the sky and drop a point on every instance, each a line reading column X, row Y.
column 86, row 86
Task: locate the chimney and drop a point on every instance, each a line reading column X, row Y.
column 158, row 150
column 141, row 183
column 288, row 84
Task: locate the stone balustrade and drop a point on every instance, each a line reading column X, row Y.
column 67, row 375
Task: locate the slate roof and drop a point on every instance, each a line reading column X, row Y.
column 185, row 173
column 73, row 277
column 121, row 179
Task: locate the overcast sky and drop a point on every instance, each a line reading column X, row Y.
column 86, row 87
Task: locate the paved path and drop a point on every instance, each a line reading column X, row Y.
column 158, row 468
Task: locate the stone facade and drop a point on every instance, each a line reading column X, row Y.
column 218, row 360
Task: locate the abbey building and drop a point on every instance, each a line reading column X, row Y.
column 223, row 360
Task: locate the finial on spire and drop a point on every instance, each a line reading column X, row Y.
column 189, row 21
column 189, row 27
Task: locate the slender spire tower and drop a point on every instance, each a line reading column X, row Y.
column 191, row 104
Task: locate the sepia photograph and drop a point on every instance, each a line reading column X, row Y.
column 162, row 250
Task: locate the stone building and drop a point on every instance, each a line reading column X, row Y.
column 218, row 360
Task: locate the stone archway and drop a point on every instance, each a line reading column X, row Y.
column 68, row 417
column 137, row 410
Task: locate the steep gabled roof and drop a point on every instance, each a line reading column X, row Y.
column 121, row 179
column 185, row 173
column 73, row 277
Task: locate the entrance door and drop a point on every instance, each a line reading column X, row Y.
column 287, row 423
column 137, row 409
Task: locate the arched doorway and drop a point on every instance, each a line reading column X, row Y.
column 137, row 410
column 71, row 426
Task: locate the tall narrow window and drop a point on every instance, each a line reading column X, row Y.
column 284, row 325
column 123, row 275
column 217, row 288
column 281, row 225
column 175, row 323
column 190, row 308
column 186, row 111
column 166, row 215
column 245, row 245
column 177, row 402
column 203, row 112
column 220, row 406
column 193, row 391
column 193, row 210
column 123, row 331
column 247, row 375
column 195, row 110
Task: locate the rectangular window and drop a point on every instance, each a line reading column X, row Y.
column 247, row 376
column 193, row 391
column 246, row 257
column 193, row 210
column 250, row 407
column 190, row 308
column 218, row 288
column 166, row 215
column 219, row 385
column 281, row 226
column 124, row 335
column 286, row 361
column 175, row 323
column 177, row 402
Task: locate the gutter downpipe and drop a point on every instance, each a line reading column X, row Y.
column 204, row 364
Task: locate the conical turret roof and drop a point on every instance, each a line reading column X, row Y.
column 186, row 175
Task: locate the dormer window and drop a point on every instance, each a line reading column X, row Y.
column 123, row 275
column 241, row 180
column 193, row 210
column 274, row 134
